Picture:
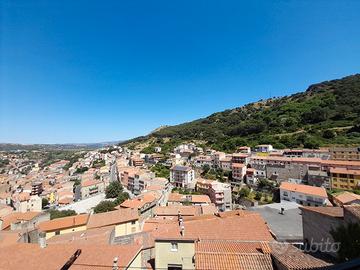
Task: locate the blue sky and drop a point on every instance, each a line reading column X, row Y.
column 92, row 71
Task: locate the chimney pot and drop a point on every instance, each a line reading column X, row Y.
column 42, row 240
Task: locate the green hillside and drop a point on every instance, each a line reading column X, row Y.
column 327, row 113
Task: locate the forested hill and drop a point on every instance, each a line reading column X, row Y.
column 327, row 113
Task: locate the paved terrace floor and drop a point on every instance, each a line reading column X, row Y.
column 286, row 227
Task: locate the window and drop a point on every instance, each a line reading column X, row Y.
column 57, row 232
column 133, row 222
column 174, row 246
column 174, row 267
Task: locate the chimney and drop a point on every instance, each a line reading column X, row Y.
column 42, row 240
column 182, row 230
column 115, row 264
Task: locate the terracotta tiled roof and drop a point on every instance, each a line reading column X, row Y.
column 140, row 201
column 88, row 183
column 154, row 188
column 324, row 210
column 305, row 189
column 344, row 171
column 231, row 255
column 238, row 165
column 347, row 197
column 63, row 223
column 235, row 225
column 65, row 200
column 17, row 216
column 8, row 238
column 32, row 257
column 112, row 218
column 174, row 210
column 292, row 258
column 93, row 236
column 176, row 197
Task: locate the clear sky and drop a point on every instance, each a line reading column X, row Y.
column 93, row 71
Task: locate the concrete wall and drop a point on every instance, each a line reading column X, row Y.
column 317, row 227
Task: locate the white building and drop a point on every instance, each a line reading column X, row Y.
column 303, row 194
column 264, row 148
column 220, row 195
column 182, row 176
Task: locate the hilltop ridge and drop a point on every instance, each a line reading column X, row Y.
column 326, row 113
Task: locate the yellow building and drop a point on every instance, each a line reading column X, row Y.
column 126, row 221
column 177, row 254
column 64, row 225
column 342, row 178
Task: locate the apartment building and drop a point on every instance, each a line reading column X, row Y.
column 238, row 172
column 36, row 188
column 342, row 178
column 303, row 194
column 136, row 162
column 264, row 148
column 225, row 163
column 182, row 177
column 345, row 153
column 217, row 156
column 201, row 161
column 240, row 158
column 219, row 193
column 24, row 202
column 91, row 187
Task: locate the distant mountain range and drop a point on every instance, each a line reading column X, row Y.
column 67, row 146
column 327, row 113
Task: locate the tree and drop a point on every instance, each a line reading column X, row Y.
column 54, row 214
column 206, row 169
column 121, row 198
column 349, row 238
column 113, row 190
column 244, row 192
column 258, row 196
column 329, row 134
column 44, row 203
column 104, row 206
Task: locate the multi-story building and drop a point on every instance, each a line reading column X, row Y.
column 225, row 163
column 345, row 153
column 24, row 202
column 137, row 162
column 342, row 178
column 240, row 158
column 182, row 176
column 317, row 177
column 217, row 156
column 238, row 172
column 264, row 148
column 91, row 187
column 36, row 188
column 219, row 193
column 201, row 161
column 303, row 194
